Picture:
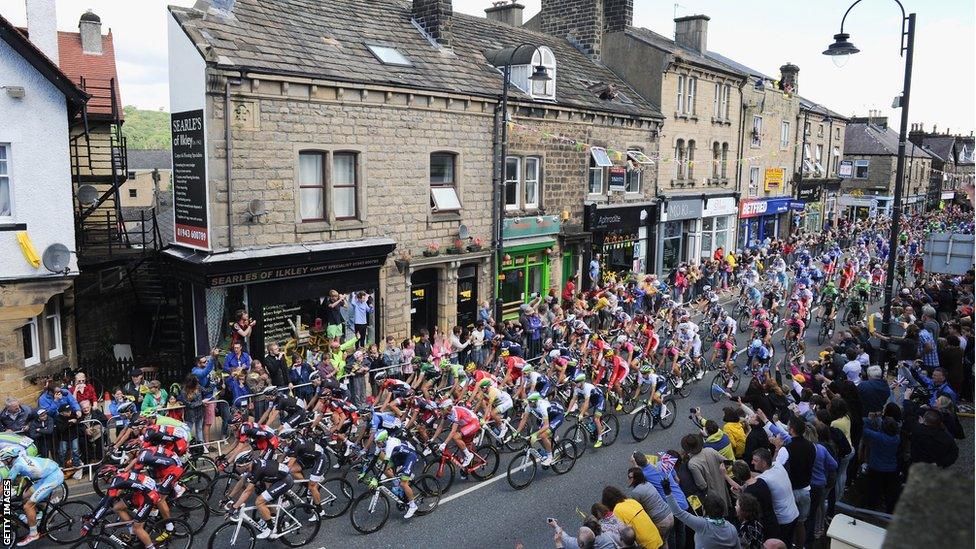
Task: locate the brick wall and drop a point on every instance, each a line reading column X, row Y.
column 579, row 20
column 435, row 17
column 774, row 109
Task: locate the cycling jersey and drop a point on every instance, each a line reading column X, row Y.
column 724, row 349
column 399, row 389
column 275, row 477
column 500, row 400
column 144, row 494
column 401, row 455
column 178, row 425
column 310, row 455
column 514, row 366
column 553, row 412
column 166, row 465
column 593, row 394
column 173, row 438
column 292, row 411
column 45, row 474
column 260, row 437
column 536, row 381
column 468, row 423
column 385, row 420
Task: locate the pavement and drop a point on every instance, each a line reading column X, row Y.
column 492, row 515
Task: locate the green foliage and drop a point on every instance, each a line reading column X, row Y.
column 146, row 129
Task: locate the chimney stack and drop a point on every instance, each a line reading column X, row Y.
column 434, row 16
column 692, row 32
column 506, row 12
column 789, row 78
column 90, row 27
column 617, row 15
column 42, row 27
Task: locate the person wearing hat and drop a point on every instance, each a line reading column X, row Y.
column 54, row 396
column 136, row 387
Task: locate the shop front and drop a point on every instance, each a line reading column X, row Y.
column 621, row 236
column 811, row 218
column 530, row 257
column 284, row 289
column 678, row 232
column 717, row 226
column 915, row 204
column 946, row 199
column 857, row 206
column 764, row 218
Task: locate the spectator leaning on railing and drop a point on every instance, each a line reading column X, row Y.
column 15, row 415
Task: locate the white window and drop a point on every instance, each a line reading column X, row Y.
column 754, row 180
column 32, row 348
column 634, row 179
column 784, row 135
column 806, row 128
column 596, row 177
column 679, row 158
column 861, row 169
column 818, row 160
column 601, row 157
column 345, row 176
column 690, row 96
column 725, row 160
column 639, row 157
column 531, row 183
column 681, row 94
column 547, row 89
column 691, row 159
column 757, row 131
column 716, row 158
column 443, row 182
column 6, row 189
column 389, row 55
column 513, row 173
column 311, row 185
column 52, row 327
column 726, row 93
column 717, row 101
column 836, row 133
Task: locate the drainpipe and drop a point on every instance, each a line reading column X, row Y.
column 738, row 171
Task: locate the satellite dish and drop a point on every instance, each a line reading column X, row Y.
column 463, row 233
column 87, row 195
column 56, row 258
column 256, row 207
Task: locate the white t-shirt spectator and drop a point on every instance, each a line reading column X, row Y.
column 781, row 491
column 853, row 371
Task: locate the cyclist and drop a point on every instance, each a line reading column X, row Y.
column 273, row 480
column 45, row 476
column 291, row 411
column 495, row 403
column 464, row 426
column 828, row 299
column 401, row 456
column 592, row 398
column 759, row 354
column 724, row 352
column 761, row 327
column 513, row 366
column 144, row 497
column 305, row 454
column 794, row 328
column 550, row 416
column 619, row 368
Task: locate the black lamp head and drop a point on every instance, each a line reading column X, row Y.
column 540, row 74
column 841, row 46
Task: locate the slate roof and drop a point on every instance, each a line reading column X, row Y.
column 321, row 39
column 871, row 139
column 738, row 67
column 670, row 46
column 812, row 106
column 150, row 159
column 941, row 146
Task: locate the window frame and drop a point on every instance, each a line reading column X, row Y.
column 717, row 101
column 133, row 193
column 329, row 221
column 332, row 186
column 324, row 186
column 716, row 159
column 862, row 163
column 595, row 169
column 453, row 184
column 679, row 159
column 757, row 122
column 755, row 184
column 725, row 160
column 690, row 158
column 517, row 181
column 784, row 135
column 31, row 328
column 534, row 205
column 726, row 93
column 691, row 96
column 377, row 50
column 9, row 178
column 539, row 58
column 681, row 94
column 55, row 336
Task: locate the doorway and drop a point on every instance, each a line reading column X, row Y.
column 423, row 301
column 467, row 298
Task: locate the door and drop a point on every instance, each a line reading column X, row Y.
column 467, row 298
column 423, row 301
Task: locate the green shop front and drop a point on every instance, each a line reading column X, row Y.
column 530, row 257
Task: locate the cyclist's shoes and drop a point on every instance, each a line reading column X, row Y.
column 264, row 534
column 700, row 374
column 468, row 457
column 679, row 383
column 598, row 443
column 314, row 517
column 29, row 538
column 179, row 489
column 503, row 431
column 427, row 451
column 226, row 504
column 547, row 460
column 162, row 537
column 411, row 510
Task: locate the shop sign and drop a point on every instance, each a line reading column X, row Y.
column 615, row 219
column 190, row 204
column 531, row 226
column 809, row 192
column 618, row 179
column 759, row 207
column 719, row 206
column 845, row 170
column 684, row 209
column 949, row 195
column 298, row 271
column 773, row 179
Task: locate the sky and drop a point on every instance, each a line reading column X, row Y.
column 762, row 34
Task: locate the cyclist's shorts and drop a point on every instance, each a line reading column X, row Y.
column 316, row 468
column 596, row 403
column 278, row 489
column 469, row 430
column 504, row 404
column 619, row 374
column 795, row 328
column 555, row 420
column 166, row 483
column 403, row 464
column 46, row 485
column 143, row 503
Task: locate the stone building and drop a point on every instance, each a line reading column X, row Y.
column 36, row 282
column 951, row 155
column 362, row 161
column 817, row 163
column 872, row 147
column 149, row 172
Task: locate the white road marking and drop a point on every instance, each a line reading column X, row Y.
column 478, row 486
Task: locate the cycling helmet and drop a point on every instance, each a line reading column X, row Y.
column 756, row 343
column 723, row 337
column 504, row 352
column 646, row 368
column 126, row 408
column 528, row 369
column 608, row 353
column 484, row 383
column 288, row 433
column 9, row 453
column 534, row 396
column 580, row 377
column 446, row 404
column 381, row 436
column 554, row 354
column 706, row 288
column 621, row 339
column 271, row 392
column 470, row 367
column 237, row 417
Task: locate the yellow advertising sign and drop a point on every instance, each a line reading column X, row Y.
column 419, row 293
column 466, row 294
column 773, row 180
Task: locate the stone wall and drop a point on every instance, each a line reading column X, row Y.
column 774, row 108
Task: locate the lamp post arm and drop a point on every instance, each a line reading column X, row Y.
column 904, row 23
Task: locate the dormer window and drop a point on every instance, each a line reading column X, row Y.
column 544, row 89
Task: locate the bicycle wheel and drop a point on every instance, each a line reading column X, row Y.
column 640, row 427
column 444, row 475
column 336, row 494
column 204, row 464
column 370, row 511
column 94, row 542
column 578, row 434
column 683, row 390
column 233, row 535
column 516, row 443
column 219, row 489
column 302, row 524
column 822, row 334
column 191, row 509
column 521, row 470
column 425, row 494
column 62, row 522
column 669, row 411
column 18, row 531
column 486, row 470
column 171, row 534
column 719, row 386
column 611, row 428
column 102, row 479
column 197, row 482
column 563, row 457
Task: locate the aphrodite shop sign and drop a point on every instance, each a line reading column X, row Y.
column 623, row 217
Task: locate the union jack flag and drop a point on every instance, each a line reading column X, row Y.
column 667, row 462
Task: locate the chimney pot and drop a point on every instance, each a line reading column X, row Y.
column 90, row 28
column 42, row 27
column 434, row 16
column 789, row 77
column 692, row 32
column 506, row 12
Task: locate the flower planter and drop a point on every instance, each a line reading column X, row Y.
column 474, row 248
column 431, row 253
column 455, row 251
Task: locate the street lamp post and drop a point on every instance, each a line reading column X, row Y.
column 504, row 58
column 840, row 50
